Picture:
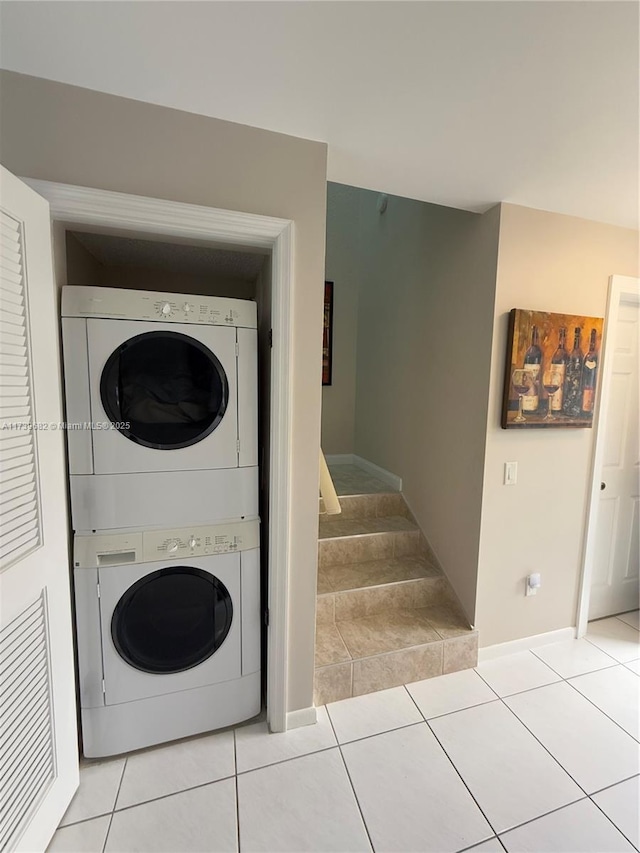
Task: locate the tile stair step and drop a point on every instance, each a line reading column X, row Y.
column 336, row 527
column 370, row 573
column 390, row 631
column 385, row 614
column 376, row 652
column 362, row 539
column 387, row 598
column 368, row 506
column 363, row 589
column 375, row 546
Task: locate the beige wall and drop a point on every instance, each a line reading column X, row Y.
column 343, row 268
column 423, row 357
column 80, row 265
column 62, row 133
column 546, row 262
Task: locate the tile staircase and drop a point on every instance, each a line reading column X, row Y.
column 386, row 614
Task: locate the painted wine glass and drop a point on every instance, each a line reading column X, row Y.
column 551, row 385
column 523, row 381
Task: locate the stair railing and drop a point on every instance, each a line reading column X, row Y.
column 327, row 489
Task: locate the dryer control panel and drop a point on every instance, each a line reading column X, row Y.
column 120, row 304
column 116, row 549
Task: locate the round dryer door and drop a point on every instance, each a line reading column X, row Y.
column 171, row 620
column 164, row 390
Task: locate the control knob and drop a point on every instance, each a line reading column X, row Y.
column 193, row 542
column 173, row 546
column 166, row 309
column 186, row 307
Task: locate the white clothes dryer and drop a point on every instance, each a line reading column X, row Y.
column 168, row 629
column 159, row 384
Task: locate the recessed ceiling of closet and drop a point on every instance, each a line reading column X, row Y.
column 458, row 103
column 176, row 257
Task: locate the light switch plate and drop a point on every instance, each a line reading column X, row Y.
column 510, row 473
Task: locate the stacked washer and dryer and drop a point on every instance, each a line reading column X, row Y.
column 162, row 430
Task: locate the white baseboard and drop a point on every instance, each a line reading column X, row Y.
column 340, row 459
column 525, row 644
column 303, row 717
column 386, row 476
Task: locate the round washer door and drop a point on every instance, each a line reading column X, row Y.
column 164, row 390
column 171, row 620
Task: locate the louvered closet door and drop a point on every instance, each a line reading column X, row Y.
column 20, row 521
column 38, row 741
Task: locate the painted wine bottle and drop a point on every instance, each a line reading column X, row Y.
column 532, row 363
column 572, row 391
column 589, row 376
column 559, row 362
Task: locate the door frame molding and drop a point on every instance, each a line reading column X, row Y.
column 124, row 212
column 620, row 286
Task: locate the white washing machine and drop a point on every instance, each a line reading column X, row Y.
column 162, row 407
column 168, row 626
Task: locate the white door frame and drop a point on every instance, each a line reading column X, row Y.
column 620, row 286
column 120, row 211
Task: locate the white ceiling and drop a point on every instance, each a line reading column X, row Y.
column 458, row 103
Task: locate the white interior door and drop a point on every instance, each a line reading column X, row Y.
column 614, row 587
column 38, row 739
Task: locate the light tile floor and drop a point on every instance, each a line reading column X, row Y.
column 534, row 752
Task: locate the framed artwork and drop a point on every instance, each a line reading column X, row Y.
column 552, row 370
column 327, row 334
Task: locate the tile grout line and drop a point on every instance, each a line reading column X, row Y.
column 284, row 760
column 596, row 646
column 615, row 662
column 587, row 795
column 520, row 692
column 576, row 640
column 426, row 722
column 566, row 806
column 564, row 769
column 546, row 814
column 364, row 823
column 473, row 847
column 599, row 807
column 495, row 692
column 614, row 784
column 83, row 820
column 566, row 681
column 235, row 778
column 386, row 731
column 115, row 802
column 598, row 708
column 535, row 737
column 154, row 799
column 611, row 665
column 458, row 710
column 526, row 690
column 620, row 619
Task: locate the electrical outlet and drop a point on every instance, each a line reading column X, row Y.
column 534, row 582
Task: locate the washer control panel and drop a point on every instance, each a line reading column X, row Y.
column 198, row 541
column 115, row 549
column 120, row 304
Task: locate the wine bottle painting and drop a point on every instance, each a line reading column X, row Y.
column 552, row 370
